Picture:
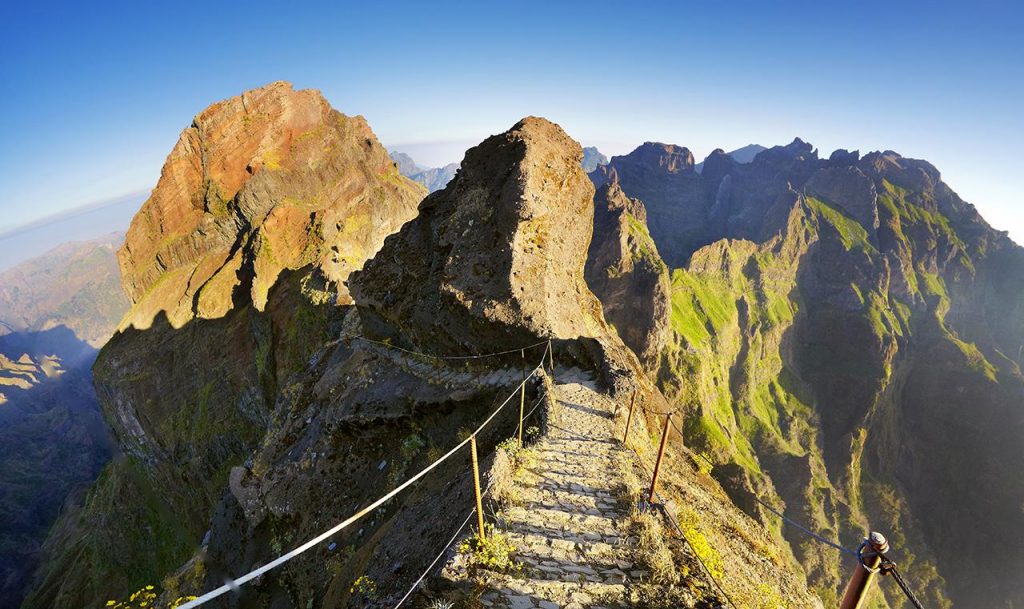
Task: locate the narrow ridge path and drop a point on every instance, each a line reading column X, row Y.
column 569, row 526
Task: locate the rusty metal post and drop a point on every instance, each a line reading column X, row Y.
column 629, row 417
column 864, row 574
column 476, row 488
column 657, row 464
column 551, row 357
column 522, row 399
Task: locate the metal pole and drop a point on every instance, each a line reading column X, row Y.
column 522, row 400
column 476, row 488
column 864, row 573
column 629, row 417
column 657, row 464
column 551, row 357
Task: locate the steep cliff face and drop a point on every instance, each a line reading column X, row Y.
column 273, row 179
column 52, row 441
column 848, row 332
column 490, row 258
column 626, row 273
column 235, row 265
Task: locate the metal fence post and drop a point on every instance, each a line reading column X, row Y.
column 476, row 488
column 864, row 572
column 522, row 399
column 629, row 417
column 657, row 464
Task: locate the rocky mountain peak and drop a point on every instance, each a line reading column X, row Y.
column 406, row 165
column 497, row 256
column 269, row 180
column 593, row 158
column 669, row 157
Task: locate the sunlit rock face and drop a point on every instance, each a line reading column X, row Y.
column 626, row 273
column 498, row 254
column 269, row 180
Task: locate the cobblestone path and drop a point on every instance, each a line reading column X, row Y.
column 569, row 527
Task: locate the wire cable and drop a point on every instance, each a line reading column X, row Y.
column 888, row 567
column 430, row 567
column 449, row 357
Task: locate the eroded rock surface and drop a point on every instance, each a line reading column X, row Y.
column 270, row 180
column 626, row 273
column 497, row 257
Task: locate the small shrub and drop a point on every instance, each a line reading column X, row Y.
column 495, row 553
column 364, row 586
column 509, row 460
column 146, row 599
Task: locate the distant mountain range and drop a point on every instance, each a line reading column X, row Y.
column 434, row 178
column 76, row 285
column 742, row 155
column 592, row 158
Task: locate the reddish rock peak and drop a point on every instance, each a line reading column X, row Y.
column 269, row 180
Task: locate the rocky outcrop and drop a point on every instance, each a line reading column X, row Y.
column 494, row 258
column 271, row 180
column 742, row 155
column 235, row 265
column 664, row 178
column 850, row 190
column 626, row 273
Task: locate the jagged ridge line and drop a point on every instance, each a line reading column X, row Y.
column 235, row 583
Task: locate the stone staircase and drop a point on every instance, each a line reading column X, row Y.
column 569, row 527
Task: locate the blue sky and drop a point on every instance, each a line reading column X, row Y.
column 93, row 98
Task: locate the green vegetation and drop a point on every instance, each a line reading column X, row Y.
column 701, row 307
column 495, row 552
column 851, row 233
column 146, row 599
column 691, row 527
column 643, row 243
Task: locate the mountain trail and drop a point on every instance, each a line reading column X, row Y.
column 570, row 524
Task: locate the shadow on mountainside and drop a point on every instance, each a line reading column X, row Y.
column 52, row 441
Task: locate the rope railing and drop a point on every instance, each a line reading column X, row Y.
column 471, row 438
column 449, row 357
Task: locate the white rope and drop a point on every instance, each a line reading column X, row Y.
column 234, row 584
